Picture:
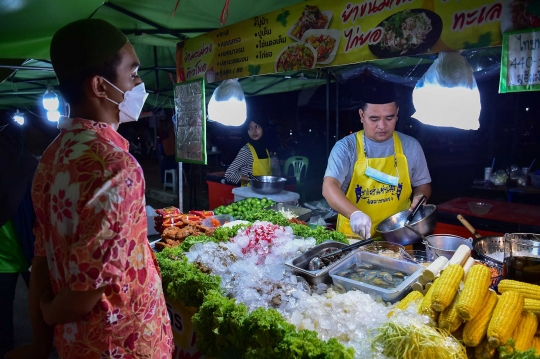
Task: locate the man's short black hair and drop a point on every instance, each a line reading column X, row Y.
column 72, row 89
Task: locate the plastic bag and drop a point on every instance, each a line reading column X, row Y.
column 447, row 94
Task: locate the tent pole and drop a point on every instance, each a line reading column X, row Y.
column 337, row 110
column 156, row 71
column 327, row 114
column 180, row 188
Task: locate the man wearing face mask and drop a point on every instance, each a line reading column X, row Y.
column 377, row 172
column 94, row 282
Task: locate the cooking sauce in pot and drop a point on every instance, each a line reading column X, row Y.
column 522, row 268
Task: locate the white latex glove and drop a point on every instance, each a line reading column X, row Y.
column 360, row 224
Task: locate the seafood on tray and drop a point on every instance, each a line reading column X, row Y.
column 373, row 274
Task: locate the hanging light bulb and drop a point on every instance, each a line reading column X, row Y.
column 53, row 116
column 19, row 117
column 50, row 100
column 447, row 94
column 228, row 104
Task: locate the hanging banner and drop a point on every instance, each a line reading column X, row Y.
column 324, row 33
column 520, row 65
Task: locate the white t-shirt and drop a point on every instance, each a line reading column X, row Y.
column 344, row 155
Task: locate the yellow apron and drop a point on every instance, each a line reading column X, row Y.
column 260, row 167
column 378, row 200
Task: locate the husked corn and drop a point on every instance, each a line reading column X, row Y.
column 425, row 305
column 447, row 287
column 530, row 291
column 405, row 302
column 524, row 332
column 484, row 351
column 449, row 318
column 474, row 291
column 532, row 305
column 535, row 343
column 475, row 330
column 505, row 318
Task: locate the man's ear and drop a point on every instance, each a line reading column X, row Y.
column 97, row 86
column 361, row 113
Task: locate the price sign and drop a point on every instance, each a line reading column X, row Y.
column 520, row 66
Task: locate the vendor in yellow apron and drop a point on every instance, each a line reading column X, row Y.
column 260, row 167
column 378, row 200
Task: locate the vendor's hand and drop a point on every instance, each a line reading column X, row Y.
column 360, row 224
column 414, row 202
column 29, row 351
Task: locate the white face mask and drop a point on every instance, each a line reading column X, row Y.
column 131, row 107
column 378, row 175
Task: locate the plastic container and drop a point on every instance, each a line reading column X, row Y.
column 387, row 249
column 222, row 218
column 413, row 270
column 420, row 257
column 535, row 179
column 479, row 208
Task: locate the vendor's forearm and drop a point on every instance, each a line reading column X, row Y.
column 336, row 198
column 69, row 306
column 424, row 189
column 40, row 283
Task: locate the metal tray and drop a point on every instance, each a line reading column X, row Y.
column 388, row 295
column 300, row 263
column 302, row 214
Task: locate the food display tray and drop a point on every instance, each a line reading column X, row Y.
column 299, row 264
column 413, row 270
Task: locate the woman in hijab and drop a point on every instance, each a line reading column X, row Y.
column 253, row 158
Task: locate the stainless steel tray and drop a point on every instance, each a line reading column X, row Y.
column 300, row 263
column 302, row 214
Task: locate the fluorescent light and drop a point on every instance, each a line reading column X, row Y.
column 53, row 116
column 50, row 100
column 228, row 104
column 526, row 109
column 447, row 94
column 19, row 117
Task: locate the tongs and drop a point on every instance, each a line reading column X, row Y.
column 410, row 217
column 253, row 178
column 317, row 262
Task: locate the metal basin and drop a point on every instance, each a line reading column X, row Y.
column 444, row 245
column 393, row 229
column 268, row 184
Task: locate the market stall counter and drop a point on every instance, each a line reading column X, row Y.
column 237, row 290
column 500, row 217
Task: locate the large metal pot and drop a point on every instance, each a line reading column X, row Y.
column 393, row 229
column 444, row 245
column 268, row 184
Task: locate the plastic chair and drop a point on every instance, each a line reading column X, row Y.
column 173, row 182
column 298, row 163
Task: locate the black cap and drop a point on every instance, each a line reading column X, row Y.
column 378, row 93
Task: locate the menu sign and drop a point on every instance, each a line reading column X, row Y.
column 520, row 67
column 323, row 33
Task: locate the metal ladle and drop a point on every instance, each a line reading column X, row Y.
column 317, row 262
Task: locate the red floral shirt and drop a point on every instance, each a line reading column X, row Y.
column 88, row 194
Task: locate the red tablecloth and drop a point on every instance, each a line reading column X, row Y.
column 501, row 211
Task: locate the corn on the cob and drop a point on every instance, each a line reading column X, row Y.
column 475, row 329
column 505, row 318
column 425, row 305
column 535, row 343
column 447, row 287
column 532, row 305
column 449, row 318
column 530, row 291
column 474, row 291
column 484, row 351
column 405, row 302
column 524, row 332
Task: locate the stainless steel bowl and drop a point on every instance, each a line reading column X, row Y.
column 393, row 229
column 268, row 184
column 444, row 245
